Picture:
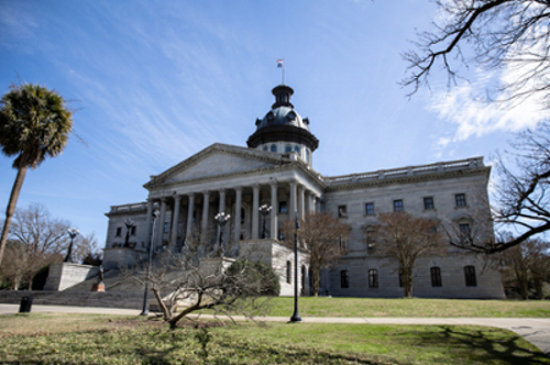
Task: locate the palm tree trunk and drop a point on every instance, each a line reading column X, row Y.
column 16, row 189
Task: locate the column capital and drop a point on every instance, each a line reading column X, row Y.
column 293, row 181
column 273, row 182
column 191, row 195
column 205, row 192
column 255, row 186
column 238, row 188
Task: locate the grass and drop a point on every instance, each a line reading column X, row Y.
column 367, row 307
column 100, row 339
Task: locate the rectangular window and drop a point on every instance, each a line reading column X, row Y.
column 344, row 279
column 118, row 231
column 460, row 200
column 373, row 278
column 166, row 225
column 133, row 231
column 342, row 211
column 398, row 205
column 283, row 207
column 288, row 272
column 465, row 233
column 470, row 275
column 435, row 273
column 369, row 209
column 428, row 203
column 368, row 238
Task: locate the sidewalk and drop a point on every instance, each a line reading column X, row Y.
column 534, row 330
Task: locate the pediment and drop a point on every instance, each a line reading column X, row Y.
column 217, row 160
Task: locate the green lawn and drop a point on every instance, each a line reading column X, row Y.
column 99, row 339
column 367, row 307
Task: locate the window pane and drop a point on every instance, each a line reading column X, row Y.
column 470, row 275
column 273, row 148
column 460, row 200
column 373, row 278
column 435, row 273
column 369, row 209
column 342, row 211
column 428, row 203
column 398, row 205
column 282, row 207
column 288, row 148
column 344, row 279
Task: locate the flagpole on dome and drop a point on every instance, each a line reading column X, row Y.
column 281, row 63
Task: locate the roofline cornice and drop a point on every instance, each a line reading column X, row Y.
column 484, row 171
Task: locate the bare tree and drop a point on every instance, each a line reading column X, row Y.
column 528, row 263
column 199, row 278
column 322, row 236
column 490, row 34
column 404, row 238
column 40, row 240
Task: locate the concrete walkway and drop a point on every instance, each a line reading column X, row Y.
column 534, row 330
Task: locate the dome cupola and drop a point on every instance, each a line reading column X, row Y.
column 282, row 129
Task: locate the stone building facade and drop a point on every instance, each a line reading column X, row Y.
column 275, row 169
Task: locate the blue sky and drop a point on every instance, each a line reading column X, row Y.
column 153, row 82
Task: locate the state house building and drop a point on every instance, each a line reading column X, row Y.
column 275, row 169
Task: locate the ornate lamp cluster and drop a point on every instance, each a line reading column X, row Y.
column 264, row 209
column 221, row 218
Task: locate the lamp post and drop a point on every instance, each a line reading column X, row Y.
column 264, row 209
column 145, row 310
column 296, row 316
column 73, row 232
column 129, row 225
column 221, row 218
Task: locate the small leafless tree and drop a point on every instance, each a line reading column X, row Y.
column 322, row 236
column 199, row 278
column 490, row 34
column 404, row 238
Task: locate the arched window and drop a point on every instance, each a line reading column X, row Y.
column 266, row 148
column 297, row 149
column 470, row 275
column 307, row 155
column 288, row 272
column 288, row 148
column 373, row 278
column 435, row 274
column 344, row 279
column 273, row 148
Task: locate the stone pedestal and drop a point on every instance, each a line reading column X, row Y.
column 64, row 275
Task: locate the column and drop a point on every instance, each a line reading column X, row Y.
column 255, row 210
column 204, row 221
column 238, row 203
column 317, row 204
column 274, row 210
column 149, row 222
column 310, row 203
column 190, row 210
column 301, row 202
column 175, row 218
column 293, row 200
column 221, row 209
column 160, row 228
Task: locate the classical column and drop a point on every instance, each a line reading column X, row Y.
column 149, row 223
column 205, row 206
column 274, row 210
column 317, row 204
column 301, row 202
column 190, row 210
column 238, row 203
column 310, row 203
column 162, row 219
column 175, row 218
column 221, row 209
column 255, row 210
column 293, row 208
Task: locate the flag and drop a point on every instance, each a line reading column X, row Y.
column 280, row 62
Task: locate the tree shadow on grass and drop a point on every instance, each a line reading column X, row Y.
column 485, row 345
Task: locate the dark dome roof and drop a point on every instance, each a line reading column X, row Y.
column 282, row 123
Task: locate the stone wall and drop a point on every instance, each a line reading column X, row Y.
column 64, row 275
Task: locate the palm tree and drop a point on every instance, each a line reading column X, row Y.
column 34, row 124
